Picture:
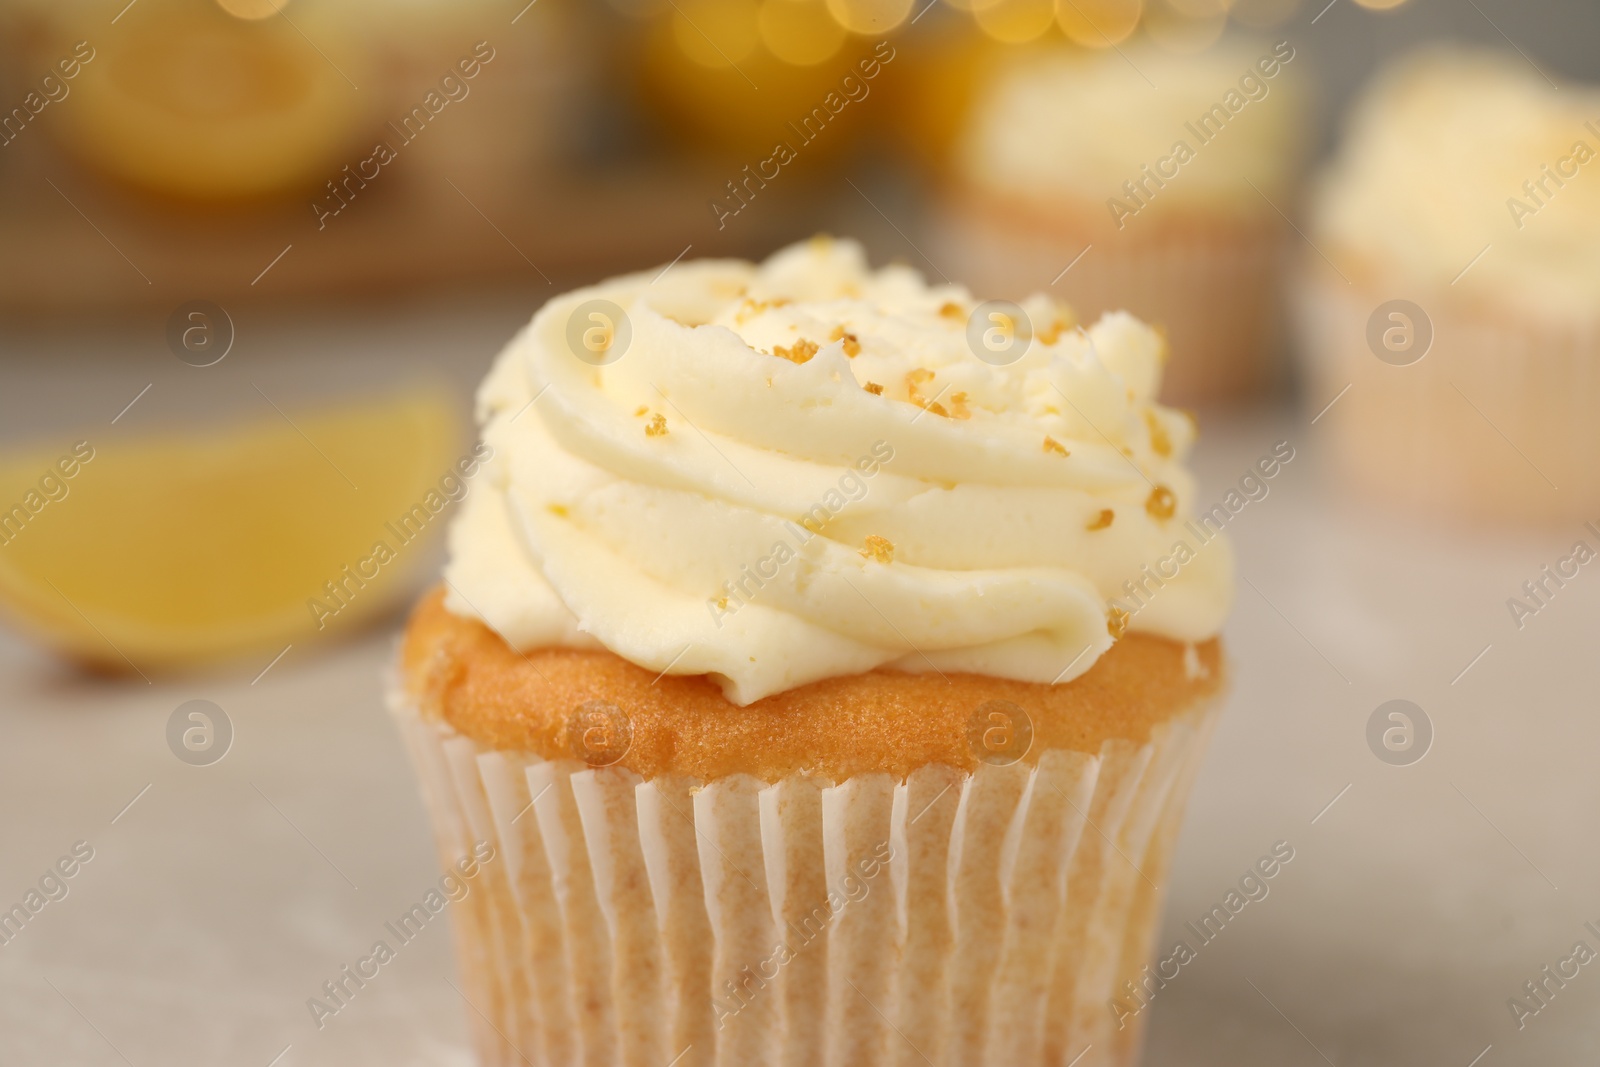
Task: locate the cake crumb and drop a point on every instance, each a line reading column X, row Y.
column 1102, row 520
column 799, row 352
column 914, row 381
column 1052, row 445
column 958, row 406
column 951, row 310
column 1160, row 443
column 878, row 548
column 641, row 412
column 752, row 307
column 1116, row 623
column 874, row 388
column 657, row 427
column 937, row 408
column 852, row 346
column 1161, row 504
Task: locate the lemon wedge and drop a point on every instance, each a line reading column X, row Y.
column 156, row 553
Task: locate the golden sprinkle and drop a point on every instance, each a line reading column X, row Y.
column 657, row 426
column 557, row 509
column 1052, row 445
column 752, row 307
column 1162, row 504
column 914, row 380
column 878, row 548
column 952, row 310
column 852, row 347
column 958, row 406
column 874, row 388
column 1116, row 623
column 799, row 352
column 1159, row 441
column 1102, row 520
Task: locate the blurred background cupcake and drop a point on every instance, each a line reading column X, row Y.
column 1145, row 179
column 1453, row 297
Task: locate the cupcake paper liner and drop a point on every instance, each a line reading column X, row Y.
column 1213, row 289
column 952, row 918
column 1496, row 419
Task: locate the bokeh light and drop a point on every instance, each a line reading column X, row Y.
column 1016, row 21
column 716, row 33
column 874, row 17
column 1200, row 9
column 1098, row 23
column 1263, row 14
column 252, row 9
column 800, row 31
column 1380, row 5
column 1176, row 31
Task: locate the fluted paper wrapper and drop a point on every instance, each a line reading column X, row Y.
column 1497, row 419
column 949, row 919
column 1214, row 292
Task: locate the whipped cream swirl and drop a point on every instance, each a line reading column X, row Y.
column 781, row 473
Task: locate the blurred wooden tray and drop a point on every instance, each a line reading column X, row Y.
column 70, row 241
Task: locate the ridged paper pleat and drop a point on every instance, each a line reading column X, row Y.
column 572, row 884
column 1211, row 290
column 608, row 807
column 505, row 784
column 728, row 818
column 494, row 904
column 952, row 919
column 796, row 870
column 1435, row 430
column 672, row 856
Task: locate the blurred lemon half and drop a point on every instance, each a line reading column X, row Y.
column 189, row 101
column 169, row 551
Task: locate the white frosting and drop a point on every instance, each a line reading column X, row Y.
column 587, row 530
column 1079, row 122
column 1434, row 157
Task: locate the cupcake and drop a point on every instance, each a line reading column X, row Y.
column 1452, row 305
column 1165, row 173
column 804, row 688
